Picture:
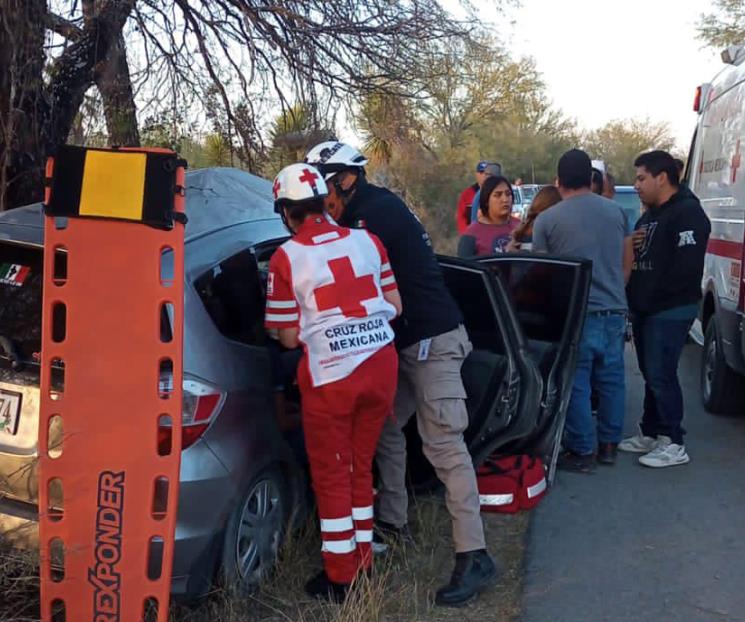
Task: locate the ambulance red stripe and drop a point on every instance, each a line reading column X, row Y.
column 725, row 248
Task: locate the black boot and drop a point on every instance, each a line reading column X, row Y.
column 473, row 572
column 322, row 588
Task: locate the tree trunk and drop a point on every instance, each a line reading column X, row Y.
column 23, row 108
column 36, row 119
column 115, row 86
column 74, row 72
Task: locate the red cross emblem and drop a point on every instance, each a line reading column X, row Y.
column 348, row 291
column 736, row 161
column 276, row 187
column 309, row 177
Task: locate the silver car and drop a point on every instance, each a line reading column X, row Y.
column 242, row 476
column 239, row 477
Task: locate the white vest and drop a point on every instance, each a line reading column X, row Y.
column 343, row 271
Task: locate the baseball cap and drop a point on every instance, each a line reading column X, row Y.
column 575, row 169
column 493, row 169
column 481, row 166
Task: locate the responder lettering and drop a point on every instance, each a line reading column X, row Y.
column 103, row 575
column 360, row 335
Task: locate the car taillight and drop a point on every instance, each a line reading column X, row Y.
column 201, row 402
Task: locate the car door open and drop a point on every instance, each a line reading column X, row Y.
column 549, row 298
column 502, row 383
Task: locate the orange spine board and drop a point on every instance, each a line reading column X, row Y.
column 112, row 359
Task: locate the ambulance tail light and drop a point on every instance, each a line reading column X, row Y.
column 200, row 405
column 704, row 94
column 697, row 99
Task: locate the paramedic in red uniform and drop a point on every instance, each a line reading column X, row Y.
column 432, row 344
column 331, row 290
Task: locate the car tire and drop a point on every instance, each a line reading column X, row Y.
column 721, row 386
column 254, row 532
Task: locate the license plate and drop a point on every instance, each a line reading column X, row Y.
column 10, row 412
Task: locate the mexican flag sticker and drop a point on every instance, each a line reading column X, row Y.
column 13, row 274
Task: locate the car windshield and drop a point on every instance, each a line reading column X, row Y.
column 21, row 275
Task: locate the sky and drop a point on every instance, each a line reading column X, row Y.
column 615, row 59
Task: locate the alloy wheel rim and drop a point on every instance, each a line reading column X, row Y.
column 259, row 530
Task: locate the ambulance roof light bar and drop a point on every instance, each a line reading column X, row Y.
column 733, row 54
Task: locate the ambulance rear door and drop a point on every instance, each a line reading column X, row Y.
column 716, row 174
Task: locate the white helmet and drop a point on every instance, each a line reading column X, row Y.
column 297, row 183
column 332, row 157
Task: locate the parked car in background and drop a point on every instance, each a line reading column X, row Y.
column 518, row 207
column 715, row 175
column 529, row 191
column 241, row 476
column 628, row 198
column 523, row 198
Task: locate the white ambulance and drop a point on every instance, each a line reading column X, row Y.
column 716, row 174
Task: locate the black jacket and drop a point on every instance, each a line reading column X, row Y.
column 669, row 265
column 428, row 308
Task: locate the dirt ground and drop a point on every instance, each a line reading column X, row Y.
column 401, row 589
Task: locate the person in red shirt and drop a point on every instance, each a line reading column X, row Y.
column 493, row 233
column 465, row 200
column 331, row 290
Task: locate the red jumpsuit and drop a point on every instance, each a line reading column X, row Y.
column 329, row 281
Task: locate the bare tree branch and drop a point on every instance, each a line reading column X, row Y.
column 63, row 27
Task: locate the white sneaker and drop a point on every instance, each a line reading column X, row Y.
column 665, row 454
column 638, row 444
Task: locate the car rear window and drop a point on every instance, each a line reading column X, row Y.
column 21, row 274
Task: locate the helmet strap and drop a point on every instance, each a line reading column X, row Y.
column 285, row 222
column 345, row 195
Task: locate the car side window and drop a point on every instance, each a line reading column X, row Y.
column 233, row 296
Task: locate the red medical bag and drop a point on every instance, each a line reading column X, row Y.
column 511, row 483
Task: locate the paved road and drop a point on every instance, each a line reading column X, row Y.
column 630, row 544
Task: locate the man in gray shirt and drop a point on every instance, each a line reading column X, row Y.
column 590, row 226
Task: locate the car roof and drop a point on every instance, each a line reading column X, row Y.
column 215, row 198
column 625, row 189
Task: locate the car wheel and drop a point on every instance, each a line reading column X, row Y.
column 721, row 389
column 255, row 531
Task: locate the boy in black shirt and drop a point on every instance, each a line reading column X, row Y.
column 663, row 293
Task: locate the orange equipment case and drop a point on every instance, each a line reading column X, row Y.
column 111, row 377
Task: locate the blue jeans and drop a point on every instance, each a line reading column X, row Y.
column 659, row 343
column 600, row 366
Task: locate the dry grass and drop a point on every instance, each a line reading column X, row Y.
column 402, row 586
column 401, row 589
column 19, row 585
